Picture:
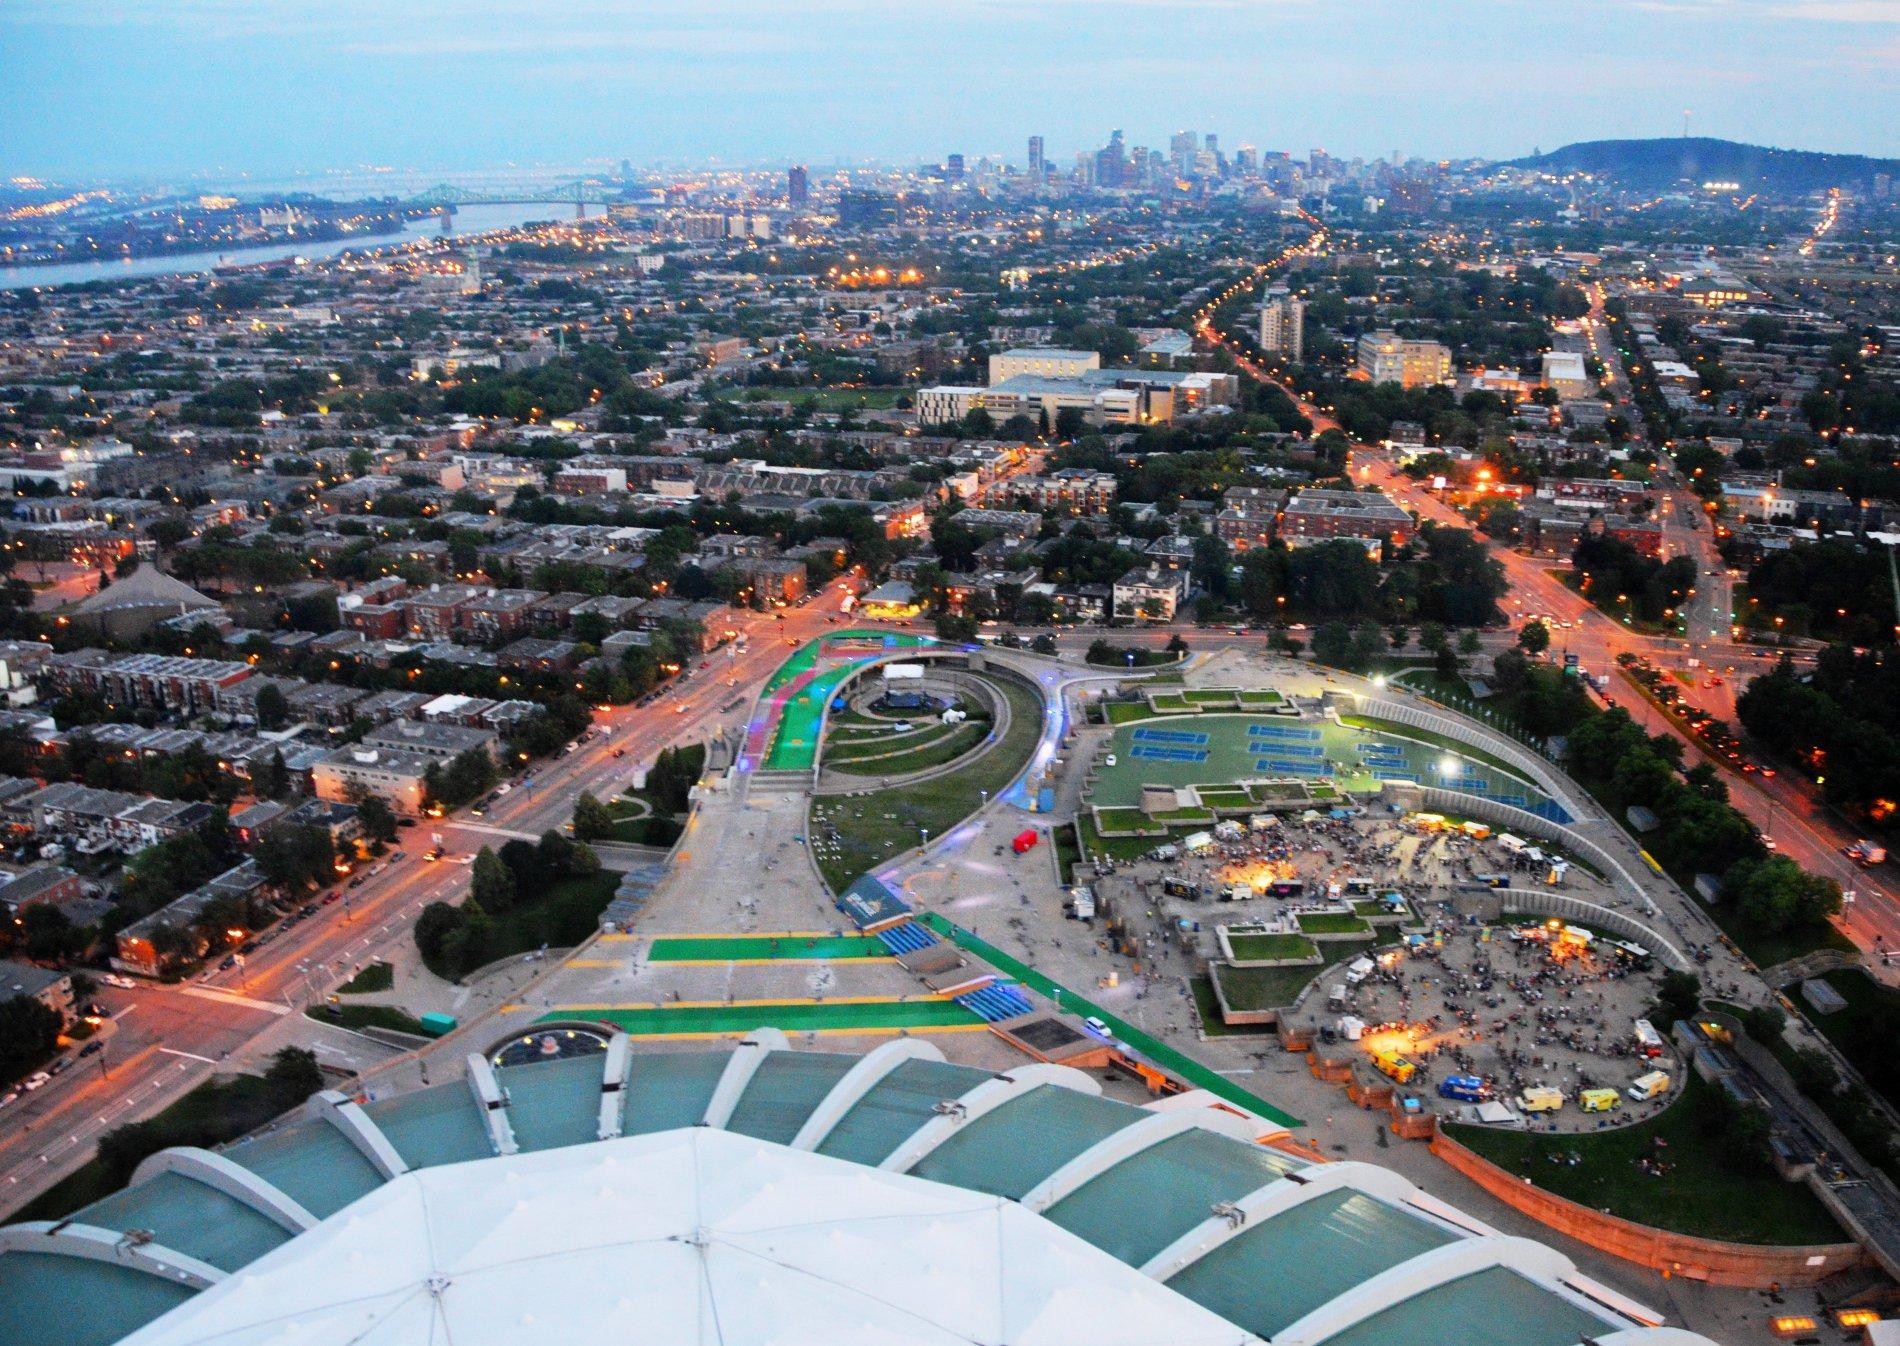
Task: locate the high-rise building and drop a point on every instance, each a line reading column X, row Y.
column 1038, row 166
column 798, row 187
column 1385, row 357
column 1283, row 325
column 953, row 168
column 1183, row 146
column 1111, row 163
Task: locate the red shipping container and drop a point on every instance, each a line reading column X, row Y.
column 1025, row 841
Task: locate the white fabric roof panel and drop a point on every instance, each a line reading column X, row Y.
column 685, row 1237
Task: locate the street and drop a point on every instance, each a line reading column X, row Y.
column 168, row 1039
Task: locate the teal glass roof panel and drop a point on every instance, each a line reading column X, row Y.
column 314, row 1164
column 895, row 1107
column 669, row 1089
column 783, row 1092
column 552, row 1103
column 46, row 1300
column 438, row 1125
column 1010, row 1150
column 1173, row 1185
column 190, row 1217
column 1495, row 1307
column 1278, row 1271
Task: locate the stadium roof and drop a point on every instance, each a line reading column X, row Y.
column 691, row 1235
column 768, row 1195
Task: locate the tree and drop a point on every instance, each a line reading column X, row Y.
column 28, row 1033
column 591, row 818
column 296, row 857
column 1534, row 638
column 490, row 882
column 1776, row 894
column 1332, row 644
column 273, row 711
column 1678, row 997
column 378, row 820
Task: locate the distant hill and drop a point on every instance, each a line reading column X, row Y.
column 1658, row 165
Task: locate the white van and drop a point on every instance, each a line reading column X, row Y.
column 1645, row 1087
column 1352, row 1027
column 1358, row 970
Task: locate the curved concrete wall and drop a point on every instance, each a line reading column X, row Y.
column 1697, row 1259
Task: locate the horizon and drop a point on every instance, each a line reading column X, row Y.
column 219, row 90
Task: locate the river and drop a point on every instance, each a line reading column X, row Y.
column 468, row 220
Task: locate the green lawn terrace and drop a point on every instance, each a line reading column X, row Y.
column 1280, row 761
column 1194, row 701
column 783, row 735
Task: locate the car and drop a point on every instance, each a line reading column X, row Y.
column 9, row 1098
column 61, row 1066
column 620, row 752
column 228, row 962
column 1769, row 843
column 405, row 822
column 39, row 1079
column 328, row 898
column 357, row 882
column 1096, row 1026
column 1109, row 760
column 92, row 1048
column 114, row 979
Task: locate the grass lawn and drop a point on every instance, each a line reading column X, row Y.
column 1226, row 799
column 1332, row 923
column 1768, row 947
column 1705, row 1193
column 1262, row 948
column 1863, row 1031
column 1125, row 818
column 828, row 399
column 375, row 977
column 1434, row 684
column 1273, row 987
column 647, row 831
column 1184, row 817
column 1170, row 701
column 1266, row 697
column 946, row 748
column 1212, row 1024
column 1210, row 697
column 1125, row 712
column 1097, row 846
column 874, row 829
column 368, row 1016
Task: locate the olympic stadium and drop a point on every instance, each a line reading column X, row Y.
column 770, row 1195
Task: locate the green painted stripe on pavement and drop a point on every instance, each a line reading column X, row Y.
column 737, row 948
column 1154, row 1049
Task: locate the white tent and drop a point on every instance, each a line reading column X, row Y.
column 683, row 1238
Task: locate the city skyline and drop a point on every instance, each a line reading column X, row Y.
column 276, row 88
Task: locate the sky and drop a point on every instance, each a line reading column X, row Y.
column 228, row 89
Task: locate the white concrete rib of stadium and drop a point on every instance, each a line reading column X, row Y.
column 685, row 1236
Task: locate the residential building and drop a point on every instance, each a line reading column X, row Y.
column 1385, row 357
column 1368, row 517
column 391, row 774
column 52, row 989
column 1152, row 594
column 1283, row 325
